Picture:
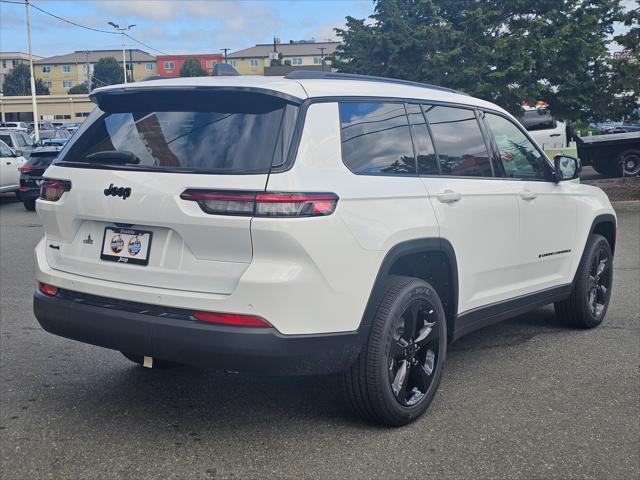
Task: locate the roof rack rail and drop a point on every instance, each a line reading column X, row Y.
column 316, row 75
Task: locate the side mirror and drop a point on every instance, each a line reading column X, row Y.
column 566, row 167
column 19, row 153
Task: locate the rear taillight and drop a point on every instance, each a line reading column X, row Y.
column 25, row 169
column 263, row 204
column 232, row 319
column 47, row 289
column 52, row 190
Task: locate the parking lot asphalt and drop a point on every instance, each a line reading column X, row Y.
column 526, row 399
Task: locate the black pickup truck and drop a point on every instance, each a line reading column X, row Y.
column 616, row 154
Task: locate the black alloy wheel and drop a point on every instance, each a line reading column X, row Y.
column 413, row 352
column 396, row 375
column 587, row 305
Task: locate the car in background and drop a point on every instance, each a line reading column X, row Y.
column 19, row 141
column 543, row 128
column 31, row 174
column 54, row 142
column 42, row 125
column 10, row 162
column 57, row 133
column 72, row 126
column 20, row 126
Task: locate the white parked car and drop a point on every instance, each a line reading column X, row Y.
column 10, row 162
column 317, row 223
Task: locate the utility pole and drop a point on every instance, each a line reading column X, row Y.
column 88, row 67
column 34, row 103
column 225, row 50
column 122, row 34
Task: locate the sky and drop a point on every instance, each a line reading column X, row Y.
column 179, row 26
column 174, row 26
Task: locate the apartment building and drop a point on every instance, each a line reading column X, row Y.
column 170, row 65
column 61, row 72
column 8, row 60
column 298, row 53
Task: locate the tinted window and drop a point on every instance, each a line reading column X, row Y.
column 5, row 151
column 427, row 160
column 539, row 119
column 520, row 158
column 210, row 132
column 459, row 141
column 376, row 138
column 6, row 139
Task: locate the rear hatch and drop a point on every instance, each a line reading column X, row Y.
column 123, row 219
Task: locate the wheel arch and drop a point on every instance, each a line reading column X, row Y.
column 430, row 259
column 606, row 226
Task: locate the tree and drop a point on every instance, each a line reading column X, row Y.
column 77, row 89
column 193, row 68
column 18, row 82
column 107, row 71
column 504, row 51
column 626, row 67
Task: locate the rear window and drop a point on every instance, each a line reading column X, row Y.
column 534, row 120
column 206, row 132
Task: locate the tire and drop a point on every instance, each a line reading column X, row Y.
column 630, row 161
column 374, row 384
column 587, row 305
column 160, row 364
column 599, row 167
column 29, row 204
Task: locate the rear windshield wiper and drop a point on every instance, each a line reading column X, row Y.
column 115, row 157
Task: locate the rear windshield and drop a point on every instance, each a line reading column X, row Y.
column 204, row 132
column 534, row 120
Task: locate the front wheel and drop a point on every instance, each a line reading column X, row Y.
column 630, row 161
column 395, row 377
column 589, row 300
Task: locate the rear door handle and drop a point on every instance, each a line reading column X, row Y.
column 449, row 196
column 554, row 135
column 528, row 195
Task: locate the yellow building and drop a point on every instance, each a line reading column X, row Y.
column 62, row 72
column 62, row 108
column 303, row 53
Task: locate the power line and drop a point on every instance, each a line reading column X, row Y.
column 83, row 26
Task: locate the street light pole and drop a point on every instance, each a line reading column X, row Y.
column 122, row 34
column 34, row 103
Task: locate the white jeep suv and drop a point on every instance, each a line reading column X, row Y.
column 316, row 223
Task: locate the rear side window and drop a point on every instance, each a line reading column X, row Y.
column 6, row 139
column 538, row 119
column 203, row 132
column 427, row 160
column 376, row 139
column 459, row 142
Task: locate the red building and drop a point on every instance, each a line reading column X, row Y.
column 170, row 65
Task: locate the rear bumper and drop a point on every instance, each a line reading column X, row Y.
column 173, row 335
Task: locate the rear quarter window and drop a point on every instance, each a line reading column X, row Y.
column 376, row 139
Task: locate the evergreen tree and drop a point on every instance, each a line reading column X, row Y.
column 107, row 71
column 18, row 82
column 193, row 68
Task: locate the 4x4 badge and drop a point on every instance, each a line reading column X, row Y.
column 124, row 192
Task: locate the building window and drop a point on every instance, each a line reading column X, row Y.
column 169, row 65
column 317, row 60
column 66, row 84
column 82, row 114
column 4, row 64
column 150, row 66
column 62, row 117
column 66, row 69
column 49, row 84
column 233, row 63
column 296, row 61
column 46, row 69
column 254, row 62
